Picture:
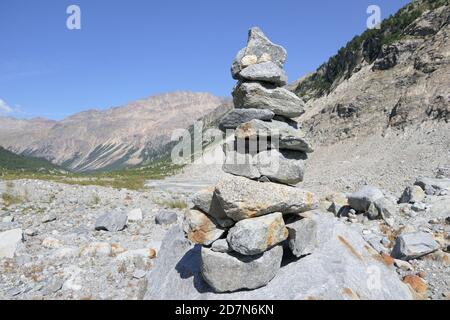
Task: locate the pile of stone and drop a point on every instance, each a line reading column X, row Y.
column 241, row 224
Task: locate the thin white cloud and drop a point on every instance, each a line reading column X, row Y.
column 4, row 107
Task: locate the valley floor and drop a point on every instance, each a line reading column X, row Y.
column 64, row 257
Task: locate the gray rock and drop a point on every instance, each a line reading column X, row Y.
column 372, row 213
column 238, row 116
column 221, row 245
column 229, row 272
column 414, row 245
column 200, row 228
column 285, row 167
column 253, row 95
column 256, row 235
column 303, row 236
column 9, row 240
column 361, row 200
column 386, row 208
column 165, row 217
column 281, row 135
column 259, row 49
column 440, row 208
column 242, row 198
column 240, row 164
column 433, row 186
column 207, row 202
column 266, row 72
column 113, row 222
column 344, row 267
column 412, row 195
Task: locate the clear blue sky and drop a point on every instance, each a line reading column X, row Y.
column 127, row 50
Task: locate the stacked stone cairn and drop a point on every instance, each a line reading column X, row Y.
column 241, row 223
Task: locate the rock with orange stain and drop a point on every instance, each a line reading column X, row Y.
column 417, row 284
column 242, row 198
column 200, row 228
column 257, row 235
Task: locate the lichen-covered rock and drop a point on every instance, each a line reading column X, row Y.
column 256, row 235
column 242, row 198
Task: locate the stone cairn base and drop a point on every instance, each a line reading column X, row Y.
column 241, row 224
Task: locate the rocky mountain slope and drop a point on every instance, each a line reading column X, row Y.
column 384, row 79
column 380, row 108
column 114, row 138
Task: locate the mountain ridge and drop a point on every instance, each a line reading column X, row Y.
column 113, row 138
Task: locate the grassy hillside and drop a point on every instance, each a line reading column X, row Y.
column 366, row 46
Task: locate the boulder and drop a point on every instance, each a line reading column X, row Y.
column 362, row 199
column 113, row 222
column 254, row 95
column 414, row 245
column 280, row 134
column 256, row 235
column 343, row 267
column 135, row 215
column 281, row 166
column 259, row 50
column 165, row 217
column 229, row 272
column 386, row 208
column 240, row 164
column 433, row 186
column 200, row 228
column 9, row 240
column 412, row 194
column 242, row 198
column 238, row 116
column 265, row 72
column 207, row 202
